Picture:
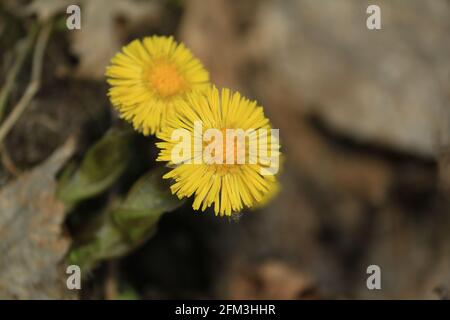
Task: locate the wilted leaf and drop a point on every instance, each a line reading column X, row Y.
column 32, row 245
column 270, row 280
column 100, row 168
column 120, row 230
column 45, row 9
column 99, row 38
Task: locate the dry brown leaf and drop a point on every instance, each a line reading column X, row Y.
column 32, row 244
column 271, row 280
column 99, row 38
column 45, row 9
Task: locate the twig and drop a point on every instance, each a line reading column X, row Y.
column 111, row 280
column 8, row 163
column 22, row 50
column 34, row 84
column 38, row 57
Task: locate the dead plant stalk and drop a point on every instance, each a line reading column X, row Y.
column 33, row 86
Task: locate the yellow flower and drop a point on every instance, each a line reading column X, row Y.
column 213, row 170
column 149, row 77
column 274, row 190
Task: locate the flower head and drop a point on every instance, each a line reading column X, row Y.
column 274, row 190
column 227, row 156
column 149, row 77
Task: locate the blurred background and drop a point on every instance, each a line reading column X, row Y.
column 364, row 125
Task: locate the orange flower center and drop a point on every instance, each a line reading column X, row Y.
column 228, row 146
column 165, row 79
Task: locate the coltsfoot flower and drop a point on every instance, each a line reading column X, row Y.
column 223, row 151
column 149, row 77
column 274, row 190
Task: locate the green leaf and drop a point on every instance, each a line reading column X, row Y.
column 128, row 293
column 121, row 229
column 102, row 165
column 147, row 200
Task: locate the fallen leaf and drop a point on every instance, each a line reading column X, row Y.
column 99, row 37
column 32, row 243
column 271, row 280
column 45, row 9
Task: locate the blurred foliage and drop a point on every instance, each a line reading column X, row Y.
column 118, row 230
column 103, row 164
